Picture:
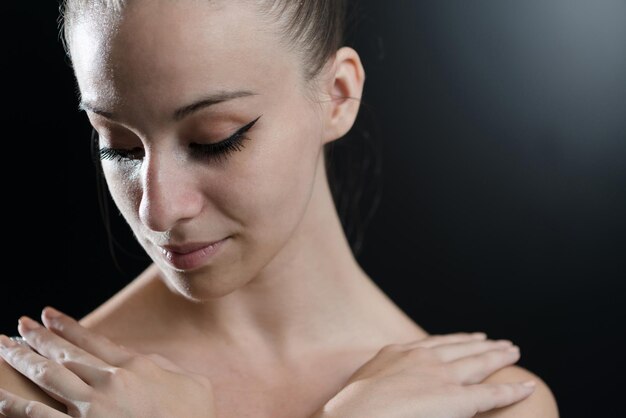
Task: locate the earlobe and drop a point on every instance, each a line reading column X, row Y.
column 345, row 90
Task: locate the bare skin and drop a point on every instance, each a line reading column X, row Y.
column 293, row 391
column 249, row 381
column 286, row 294
column 283, row 316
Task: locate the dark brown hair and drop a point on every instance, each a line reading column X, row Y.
column 314, row 29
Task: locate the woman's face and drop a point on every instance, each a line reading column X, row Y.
column 135, row 74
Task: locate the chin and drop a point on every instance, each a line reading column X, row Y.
column 200, row 285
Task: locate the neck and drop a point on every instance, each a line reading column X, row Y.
column 313, row 284
column 313, row 297
column 312, row 292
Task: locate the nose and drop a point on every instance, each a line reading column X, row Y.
column 169, row 195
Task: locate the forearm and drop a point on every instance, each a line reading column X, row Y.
column 343, row 405
column 321, row 413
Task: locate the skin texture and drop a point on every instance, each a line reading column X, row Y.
column 283, row 315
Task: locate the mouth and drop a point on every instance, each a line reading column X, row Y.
column 190, row 256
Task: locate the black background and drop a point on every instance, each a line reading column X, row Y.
column 503, row 134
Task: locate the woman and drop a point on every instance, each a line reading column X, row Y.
column 212, row 117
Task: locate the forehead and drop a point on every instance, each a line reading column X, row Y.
column 163, row 52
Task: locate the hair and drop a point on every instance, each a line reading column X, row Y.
column 315, row 30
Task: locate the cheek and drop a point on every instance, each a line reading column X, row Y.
column 265, row 190
column 275, row 183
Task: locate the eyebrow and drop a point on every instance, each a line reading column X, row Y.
column 182, row 112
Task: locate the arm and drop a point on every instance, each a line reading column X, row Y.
column 17, row 383
column 438, row 376
column 541, row 403
column 86, row 371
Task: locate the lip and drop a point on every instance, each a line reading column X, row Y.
column 190, row 256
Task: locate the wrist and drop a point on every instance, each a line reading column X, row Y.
column 342, row 405
column 323, row 412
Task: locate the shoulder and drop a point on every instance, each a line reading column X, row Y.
column 541, row 403
column 13, row 381
column 130, row 312
column 109, row 319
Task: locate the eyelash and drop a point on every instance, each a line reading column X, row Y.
column 218, row 151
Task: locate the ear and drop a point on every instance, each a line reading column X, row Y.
column 344, row 86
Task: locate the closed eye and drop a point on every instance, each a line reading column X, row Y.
column 218, row 151
column 120, row 155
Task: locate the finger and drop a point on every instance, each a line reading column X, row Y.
column 488, row 396
column 93, row 343
column 14, row 406
column 56, row 380
column 451, row 352
column 474, row 369
column 436, row 340
column 89, row 368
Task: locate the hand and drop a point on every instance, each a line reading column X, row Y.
column 436, row 377
column 95, row 377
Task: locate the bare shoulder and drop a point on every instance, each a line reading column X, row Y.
column 110, row 319
column 13, row 381
column 541, row 403
column 130, row 314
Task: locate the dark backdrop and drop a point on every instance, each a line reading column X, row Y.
column 503, row 134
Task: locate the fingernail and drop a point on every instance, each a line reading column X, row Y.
column 513, row 349
column 28, row 323
column 529, row 384
column 479, row 335
column 6, row 342
column 51, row 313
